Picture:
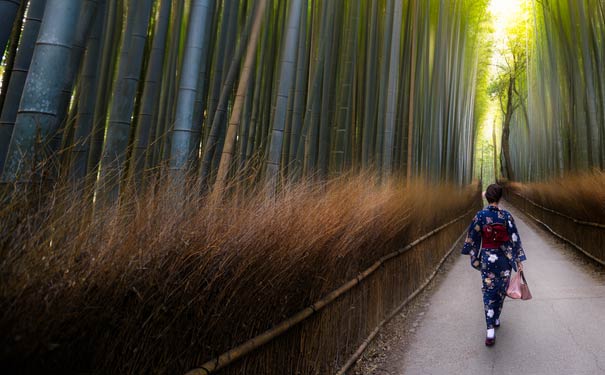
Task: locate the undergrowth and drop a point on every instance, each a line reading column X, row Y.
column 168, row 280
column 581, row 196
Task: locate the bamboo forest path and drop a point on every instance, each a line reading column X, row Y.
column 560, row 331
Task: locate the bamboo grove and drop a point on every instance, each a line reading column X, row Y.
column 115, row 92
column 564, row 89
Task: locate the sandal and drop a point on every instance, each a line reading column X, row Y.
column 490, row 341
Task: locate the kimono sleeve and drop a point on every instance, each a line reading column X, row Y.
column 472, row 244
column 518, row 252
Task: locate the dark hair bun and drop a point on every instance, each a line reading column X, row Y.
column 493, row 193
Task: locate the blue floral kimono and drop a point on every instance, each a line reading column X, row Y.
column 495, row 264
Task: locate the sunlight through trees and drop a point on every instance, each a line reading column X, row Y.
column 550, row 88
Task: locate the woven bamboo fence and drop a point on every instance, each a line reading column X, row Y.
column 587, row 237
column 328, row 337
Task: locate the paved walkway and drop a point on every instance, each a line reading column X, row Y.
column 560, row 331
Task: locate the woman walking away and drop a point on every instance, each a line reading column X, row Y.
column 494, row 247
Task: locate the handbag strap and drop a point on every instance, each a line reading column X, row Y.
column 523, row 277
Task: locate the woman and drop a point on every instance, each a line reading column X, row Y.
column 494, row 247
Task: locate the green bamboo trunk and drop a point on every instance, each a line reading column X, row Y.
column 286, row 81
column 345, row 92
column 163, row 123
column 300, row 90
column 10, row 53
column 214, row 140
column 370, row 99
column 110, row 47
column 393, row 89
column 83, row 27
column 248, row 66
column 182, row 135
column 88, row 89
column 8, row 13
column 36, row 118
column 148, row 108
column 113, row 165
column 21, row 66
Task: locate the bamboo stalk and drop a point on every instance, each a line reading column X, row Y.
column 148, row 108
column 286, row 82
column 300, row 91
column 14, row 89
column 184, row 129
column 119, row 124
column 111, row 39
column 11, row 51
column 221, row 109
column 36, row 118
column 217, row 66
column 163, row 121
column 84, row 26
column 387, row 162
column 8, row 13
column 88, row 86
column 238, row 105
column 369, row 119
column 411, row 102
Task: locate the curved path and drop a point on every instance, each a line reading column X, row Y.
column 560, row 331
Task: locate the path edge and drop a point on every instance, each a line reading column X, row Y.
column 359, row 352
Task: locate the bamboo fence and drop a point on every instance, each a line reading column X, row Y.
column 587, row 237
column 330, row 335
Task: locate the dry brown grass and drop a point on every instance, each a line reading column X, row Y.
column 580, row 196
column 169, row 280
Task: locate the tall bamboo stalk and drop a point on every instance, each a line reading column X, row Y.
column 8, row 14
column 212, row 142
column 369, row 120
column 300, row 90
column 91, row 70
column 11, row 52
column 286, row 81
column 150, row 96
column 36, row 118
column 393, row 82
column 164, row 121
column 184, row 123
column 122, row 105
column 344, row 110
column 83, row 28
column 238, row 104
column 110, row 46
column 412, row 93
column 21, row 66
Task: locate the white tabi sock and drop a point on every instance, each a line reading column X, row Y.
column 491, row 333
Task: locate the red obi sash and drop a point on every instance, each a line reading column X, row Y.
column 494, row 235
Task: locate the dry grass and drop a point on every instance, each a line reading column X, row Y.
column 169, row 280
column 580, row 196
